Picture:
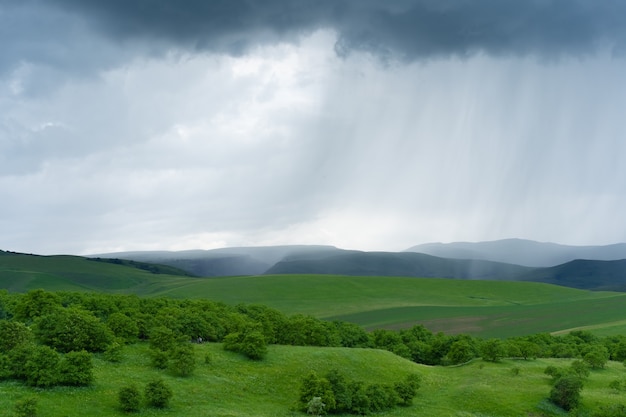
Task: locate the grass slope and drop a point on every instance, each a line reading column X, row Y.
column 22, row 272
column 231, row 386
column 484, row 308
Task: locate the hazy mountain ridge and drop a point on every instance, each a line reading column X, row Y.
column 522, row 252
column 224, row 261
column 398, row 264
column 465, row 261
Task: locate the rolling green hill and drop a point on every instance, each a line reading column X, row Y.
column 232, row 386
column 484, row 308
column 22, row 272
column 476, row 261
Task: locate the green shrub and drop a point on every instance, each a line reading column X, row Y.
column 566, row 392
column 42, row 367
column 382, row 397
column 12, row 334
column 182, row 359
column 158, row 394
column 553, row 372
column 316, row 407
column 76, row 369
column 129, row 398
column 25, row 408
column 492, row 350
column 114, row 351
column 251, row 343
column 360, row 401
column 316, row 386
column 579, row 368
column 73, row 329
column 159, row 358
column 597, row 357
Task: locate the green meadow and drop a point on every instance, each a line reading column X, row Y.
column 232, row 386
column 481, row 308
column 229, row 385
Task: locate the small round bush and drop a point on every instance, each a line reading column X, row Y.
column 25, row 408
column 158, row 394
column 130, row 398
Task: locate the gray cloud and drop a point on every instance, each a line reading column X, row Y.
column 409, row 29
column 172, row 125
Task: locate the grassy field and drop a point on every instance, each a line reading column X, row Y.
column 231, row 386
column 482, row 308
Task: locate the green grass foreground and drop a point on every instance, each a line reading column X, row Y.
column 232, row 386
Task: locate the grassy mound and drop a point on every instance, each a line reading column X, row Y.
column 232, row 386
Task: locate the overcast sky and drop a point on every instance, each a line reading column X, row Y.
column 364, row 124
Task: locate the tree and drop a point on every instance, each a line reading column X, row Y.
column 12, row 334
column 407, row 389
column 250, row 342
column 316, row 386
column 460, row 352
column 360, row 400
column 183, row 359
column 253, row 345
column 528, row 350
column 114, row 351
column 566, row 391
column 341, row 391
column 382, row 397
column 492, row 350
column 36, row 303
column 580, row 368
column 316, row 407
column 158, row 394
column 123, row 327
column 41, row 367
column 76, row 369
column 73, row 329
column 162, row 338
column 597, row 356
column 129, row 398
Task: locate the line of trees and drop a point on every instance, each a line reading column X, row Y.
column 47, row 338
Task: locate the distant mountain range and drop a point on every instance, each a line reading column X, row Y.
column 586, row 267
column 522, row 252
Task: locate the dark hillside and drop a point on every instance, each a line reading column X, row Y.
column 583, row 274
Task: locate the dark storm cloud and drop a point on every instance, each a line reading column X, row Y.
column 409, row 29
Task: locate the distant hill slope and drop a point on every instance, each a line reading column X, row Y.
column 583, row 274
column 522, row 252
column 21, row 272
column 302, row 259
column 225, row 261
column 396, row 264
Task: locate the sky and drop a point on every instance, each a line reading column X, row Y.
column 363, row 124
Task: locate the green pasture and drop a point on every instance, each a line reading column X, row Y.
column 232, row 386
column 482, row 308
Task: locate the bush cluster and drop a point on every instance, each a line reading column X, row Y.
column 333, row 393
column 156, row 394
